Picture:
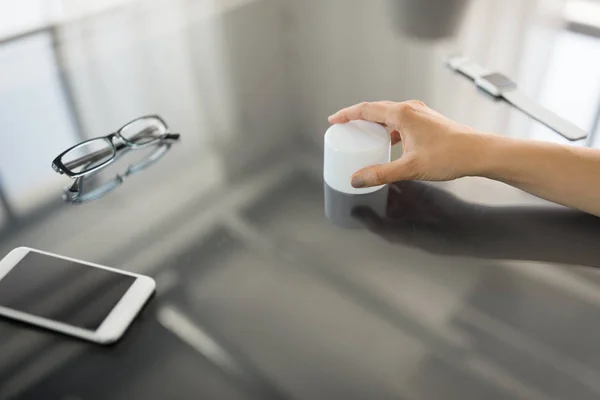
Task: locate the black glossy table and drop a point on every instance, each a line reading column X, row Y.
column 462, row 290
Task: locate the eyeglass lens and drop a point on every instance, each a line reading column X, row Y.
column 143, row 131
column 88, row 155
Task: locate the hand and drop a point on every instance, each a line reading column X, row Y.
column 435, row 148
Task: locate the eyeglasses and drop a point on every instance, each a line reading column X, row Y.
column 91, row 187
column 87, row 157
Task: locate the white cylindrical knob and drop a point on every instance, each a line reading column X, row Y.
column 350, row 147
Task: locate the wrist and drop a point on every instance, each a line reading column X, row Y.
column 507, row 159
column 485, row 154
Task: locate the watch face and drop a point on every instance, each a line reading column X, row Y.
column 499, row 80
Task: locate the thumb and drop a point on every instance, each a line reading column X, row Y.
column 375, row 175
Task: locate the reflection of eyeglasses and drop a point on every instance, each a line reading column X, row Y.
column 91, row 155
column 87, row 188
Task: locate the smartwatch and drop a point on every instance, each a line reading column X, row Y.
column 500, row 86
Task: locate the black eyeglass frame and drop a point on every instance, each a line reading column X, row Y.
column 61, row 168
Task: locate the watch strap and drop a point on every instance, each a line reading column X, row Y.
column 515, row 97
column 468, row 68
column 552, row 120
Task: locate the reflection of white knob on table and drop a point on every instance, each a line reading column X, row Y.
column 340, row 207
column 350, row 147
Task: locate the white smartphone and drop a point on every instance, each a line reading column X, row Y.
column 74, row 297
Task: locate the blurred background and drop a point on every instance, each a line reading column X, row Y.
column 85, row 67
column 230, row 221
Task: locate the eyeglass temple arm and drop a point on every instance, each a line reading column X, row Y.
column 98, row 155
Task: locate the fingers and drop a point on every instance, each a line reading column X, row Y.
column 401, row 169
column 383, row 112
column 396, row 138
column 374, row 112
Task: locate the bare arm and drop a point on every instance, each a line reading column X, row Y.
column 436, row 148
column 563, row 174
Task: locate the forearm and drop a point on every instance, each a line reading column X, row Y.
column 563, row 174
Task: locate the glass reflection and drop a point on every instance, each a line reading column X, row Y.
column 435, row 220
column 93, row 187
column 339, row 206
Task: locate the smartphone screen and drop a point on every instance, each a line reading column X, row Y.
column 62, row 290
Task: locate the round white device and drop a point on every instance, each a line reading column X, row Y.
column 350, row 147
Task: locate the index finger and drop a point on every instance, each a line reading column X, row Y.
column 370, row 111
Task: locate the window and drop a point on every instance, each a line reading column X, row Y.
column 35, row 120
column 571, row 84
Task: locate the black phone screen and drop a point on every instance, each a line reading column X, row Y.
column 63, row 290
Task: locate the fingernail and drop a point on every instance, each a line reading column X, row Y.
column 358, row 181
column 363, row 178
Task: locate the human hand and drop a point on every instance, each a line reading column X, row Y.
column 435, row 148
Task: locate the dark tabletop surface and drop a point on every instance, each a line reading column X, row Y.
column 462, row 290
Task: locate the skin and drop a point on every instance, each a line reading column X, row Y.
column 436, row 148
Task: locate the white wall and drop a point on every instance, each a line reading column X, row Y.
column 19, row 15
